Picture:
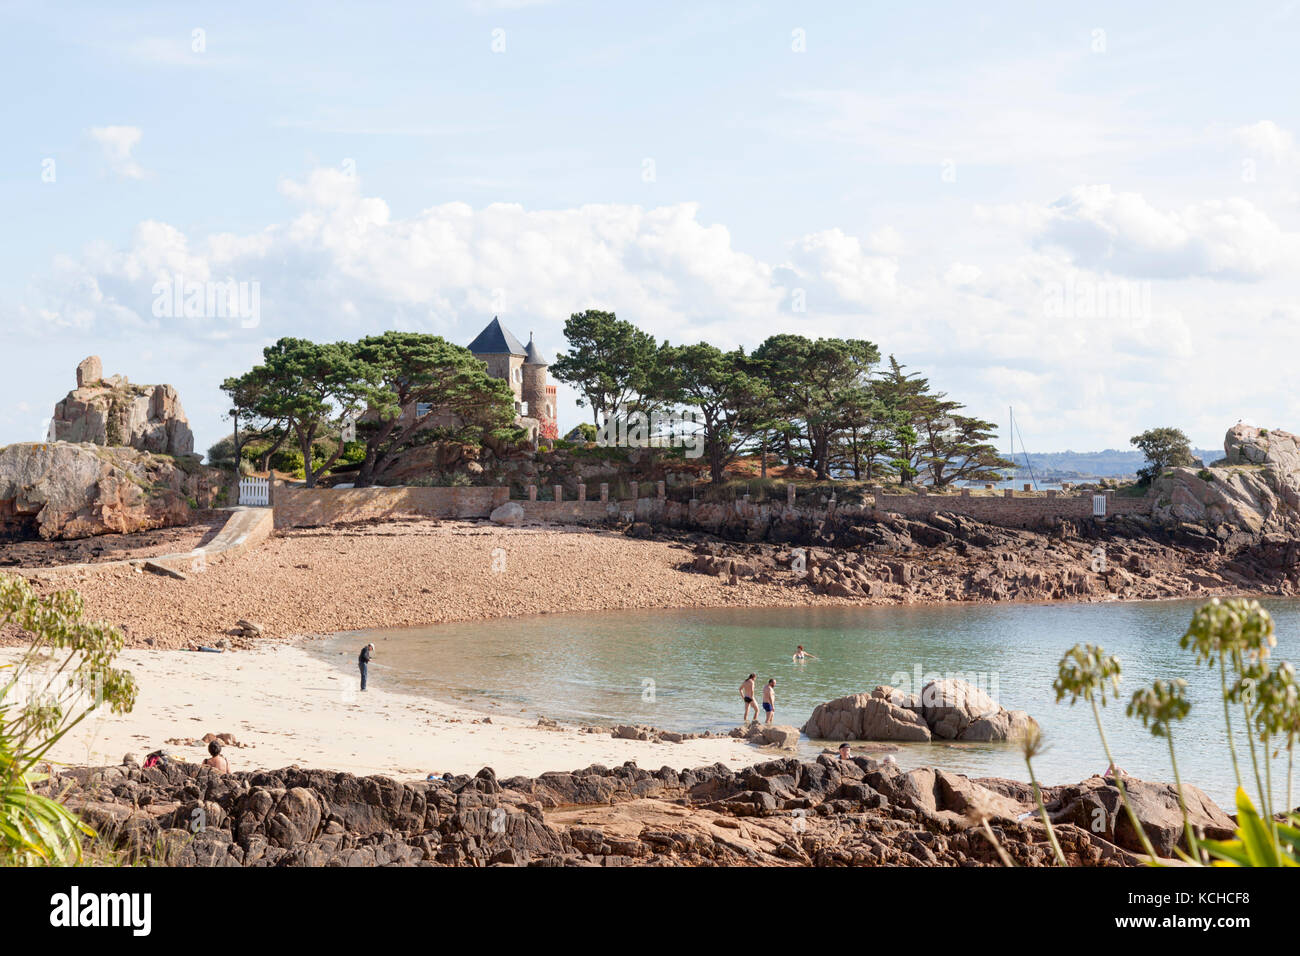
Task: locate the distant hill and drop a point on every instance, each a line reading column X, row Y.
column 1111, row 463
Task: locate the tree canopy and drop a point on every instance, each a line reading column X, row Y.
column 611, row 363
column 390, row 386
column 1163, row 448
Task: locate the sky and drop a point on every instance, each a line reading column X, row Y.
column 1089, row 213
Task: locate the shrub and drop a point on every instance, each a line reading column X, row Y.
column 64, row 674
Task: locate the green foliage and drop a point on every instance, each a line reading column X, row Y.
column 413, row 379
column 1254, row 842
column 1160, row 705
column 222, row 453
column 308, row 388
column 65, row 673
column 822, row 384
column 719, row 385
column 1236, row 635
column 1162, row 448
column 354, row 452
column 437, row 479
column 610, row 362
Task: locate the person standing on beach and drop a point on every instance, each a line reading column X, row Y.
column 363, row 661
column 747, row 692
column 769, row 700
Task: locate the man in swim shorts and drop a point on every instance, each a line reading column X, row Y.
column 747, row 692
column 769, row 700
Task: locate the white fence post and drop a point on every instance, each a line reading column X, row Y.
column 255, row 491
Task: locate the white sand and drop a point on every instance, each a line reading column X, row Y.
column 293, row 708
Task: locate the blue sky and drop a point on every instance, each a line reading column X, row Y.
column 937, row 178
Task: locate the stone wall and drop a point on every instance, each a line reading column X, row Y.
column 310, row 507
column 298, row 507
column 1017, row 510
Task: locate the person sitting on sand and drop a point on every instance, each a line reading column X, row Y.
column 801, row 655
column 769, row 699
column 363, row 661
column 747, row 692
column 217, row 762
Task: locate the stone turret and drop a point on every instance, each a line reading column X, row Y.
column 537, row 393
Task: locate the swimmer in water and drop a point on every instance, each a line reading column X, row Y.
column 801, row 655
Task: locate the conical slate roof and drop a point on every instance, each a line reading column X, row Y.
column 496, row 340
column 533, row 355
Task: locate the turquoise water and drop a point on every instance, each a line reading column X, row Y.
column 680, row 670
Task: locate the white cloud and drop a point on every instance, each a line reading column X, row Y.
column 980, row 323
column 1267, row 140
column 858, row 277
column 117, row 143
column 1102, row 229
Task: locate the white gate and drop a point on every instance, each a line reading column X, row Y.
column 255, row 491
column 1099, row 506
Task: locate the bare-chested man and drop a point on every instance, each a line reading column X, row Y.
column 747, row 692
column 769, row 699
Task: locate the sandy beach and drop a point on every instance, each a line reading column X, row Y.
column 287, row 707
column 409, row 572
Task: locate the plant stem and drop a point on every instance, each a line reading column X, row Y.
column 1227, row 717
column 1268, row 779
column 1193, row 847
column 1042, row 811
column 1119, row 783
column 1290, row 766
column 1254, row 762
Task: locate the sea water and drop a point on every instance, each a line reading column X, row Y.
column 681, row 670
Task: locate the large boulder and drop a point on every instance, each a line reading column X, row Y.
column 950, row 706
column 1002, row 725
column 63, row 490
column 1248, row 445
column 114, row 411
column 1254, row 488
column 1095, row 805
column 866, row 717
column 948, row 709
column 511, row 513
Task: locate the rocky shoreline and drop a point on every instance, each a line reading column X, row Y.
column 784, row 812
column 953, row 558
column 450, row 572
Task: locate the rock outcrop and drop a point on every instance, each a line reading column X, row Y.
column 871, row 716
column 112, row 411
column 948, row 709
column 1254, row 488
column 784, row 812
column 889, row 558
column 65, row 490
